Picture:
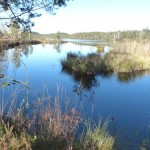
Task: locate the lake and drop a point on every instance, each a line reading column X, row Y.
column 125, row 99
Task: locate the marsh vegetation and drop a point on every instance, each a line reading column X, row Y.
column 46, row 122
column 113, row 61
column 47, row 126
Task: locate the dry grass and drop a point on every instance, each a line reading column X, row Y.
column 125, row 62
column 48, row 127
column 131, row 47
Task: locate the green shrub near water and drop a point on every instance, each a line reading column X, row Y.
column 10, row 140
column 111, row 62
column 82, row 64
column 97, row 138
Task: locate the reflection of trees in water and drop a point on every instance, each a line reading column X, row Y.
column 84, row 84
column 18, row 52
column 27, row 50
column 3, row 61
column 57, row 47
column 15, row 58
column 106, row 74
column 127, row 77
column 86, row 81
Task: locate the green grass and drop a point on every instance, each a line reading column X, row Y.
column 11, row 140
column 97, row 137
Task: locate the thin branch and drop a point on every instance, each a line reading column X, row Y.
column 12, row 13
column 16, row 16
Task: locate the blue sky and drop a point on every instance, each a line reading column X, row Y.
column 96, row 15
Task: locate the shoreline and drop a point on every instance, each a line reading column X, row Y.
column 6, row 44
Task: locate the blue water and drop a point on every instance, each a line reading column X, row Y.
column 128, row 103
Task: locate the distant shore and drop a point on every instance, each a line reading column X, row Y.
column 9, row 43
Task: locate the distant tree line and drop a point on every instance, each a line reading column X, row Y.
column 15, row 33
column 105, row 36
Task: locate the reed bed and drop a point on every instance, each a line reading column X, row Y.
column 141, row 47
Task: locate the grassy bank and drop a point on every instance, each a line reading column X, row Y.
column 49, row 127
column 126, row 62
column 5, row 44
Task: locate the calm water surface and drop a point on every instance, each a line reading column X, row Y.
column 124, row 99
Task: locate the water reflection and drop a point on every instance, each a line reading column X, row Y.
column 14, row 57
column 125, row 77
column 85, row 42
column 57, row 47
column 84, row 84
column 18, row 52
column 87, row 83
column 131, row 76
column 3, row 61
column 110, row 99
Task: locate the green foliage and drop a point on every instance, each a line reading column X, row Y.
column 3, row 85
column 82, row 64
column 11, row 140
column 97, row 138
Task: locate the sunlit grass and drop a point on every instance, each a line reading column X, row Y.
column 119, row 62
column 97, row 137
column 112, row 62
column 9, row 139
column 131, row 46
